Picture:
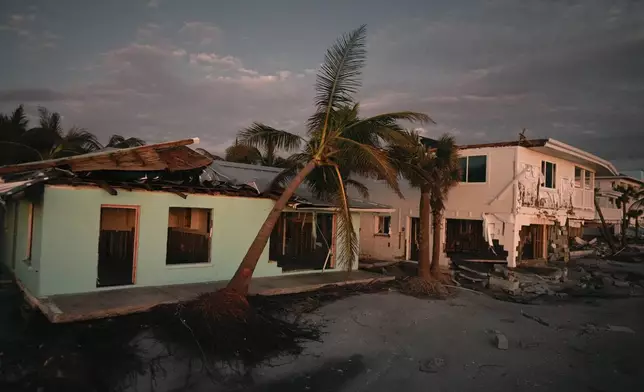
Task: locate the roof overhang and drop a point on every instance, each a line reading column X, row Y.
column 564, row 151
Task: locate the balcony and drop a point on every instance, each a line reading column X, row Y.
column 583, row 199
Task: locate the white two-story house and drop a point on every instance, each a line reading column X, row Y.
column 516, row 201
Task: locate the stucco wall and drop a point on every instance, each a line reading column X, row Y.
column 392, row 247
column 18, row 226
column 565, row 195
column 69, row 234
column 71, row 230
column 471, row 200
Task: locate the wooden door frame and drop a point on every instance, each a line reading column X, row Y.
column 137, row 213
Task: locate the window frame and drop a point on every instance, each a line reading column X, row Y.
column 464, row 179
column 210, row 225
column 30, row 233
column 579, row 182
column 544, row 166
column 590, row 176
column 377, row 225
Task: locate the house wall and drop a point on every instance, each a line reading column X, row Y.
column 472, row 200
column 563, row 198
column 68, row 233
column 71, row 222
column 17, row 226
column 392, row 246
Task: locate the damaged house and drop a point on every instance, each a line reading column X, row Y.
column 517, row 201
column 607, row 198
column 154, row 215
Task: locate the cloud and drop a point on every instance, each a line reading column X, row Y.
column 214, row 59
column 32, row 36
column 151, row 92
column 201, row 33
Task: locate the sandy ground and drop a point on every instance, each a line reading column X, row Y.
column 383, row 342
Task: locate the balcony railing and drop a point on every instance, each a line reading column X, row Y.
column 583, row 199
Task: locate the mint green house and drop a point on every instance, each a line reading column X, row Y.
column 77, row 235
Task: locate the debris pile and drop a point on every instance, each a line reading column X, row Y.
column 584, row 278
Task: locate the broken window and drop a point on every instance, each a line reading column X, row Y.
column 473, row 168
column 383, row 225
column 579, row 173
column 189, row 234
column 588, row 179
column 549, row 172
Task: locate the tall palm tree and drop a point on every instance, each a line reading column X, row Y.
column 604, row 227
column 627, row 193
column 432, row 167
column 12, row 128
column 337, row 142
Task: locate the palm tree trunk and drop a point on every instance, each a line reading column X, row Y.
column 424, row 256
column 241, row 280
column 607, row 236
column 625, row 220
column 437, row 217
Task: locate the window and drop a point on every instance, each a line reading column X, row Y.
column 189, row 234
column 549, row 172
column 579, row 173
column 588, row 179
column 383, row 225
column 473, row 168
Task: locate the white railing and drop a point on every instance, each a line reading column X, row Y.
column 583, row 199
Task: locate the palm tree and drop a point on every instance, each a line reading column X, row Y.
column 636, row 214
column 628, row 192
column 604, row 228
column 338, row 142
column 432, row 167
column 118, row 141
column 12, row 127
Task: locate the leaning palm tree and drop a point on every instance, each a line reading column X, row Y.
column 337, row 142
column 432, row 167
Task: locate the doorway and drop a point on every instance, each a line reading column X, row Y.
column 303, row 241
column 117, row 243
column 414, row 238
column 533, row 242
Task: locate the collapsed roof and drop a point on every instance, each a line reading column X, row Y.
column 169, row 167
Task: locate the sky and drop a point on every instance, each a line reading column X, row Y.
column 482, row 69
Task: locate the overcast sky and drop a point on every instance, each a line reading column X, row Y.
column 167, row 69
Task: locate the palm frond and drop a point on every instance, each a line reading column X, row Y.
column 361, row 188
column 389, row 119
column 80, row 139
column 348, row 246
column 263, row 136
column 18, row 118
column 339, row 77
column 50, row 121
column 118, row 141
column 365, row 159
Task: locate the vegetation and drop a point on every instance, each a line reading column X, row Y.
column 48, row 140
column 337, row 143
column 433, row 168
column 623, row 201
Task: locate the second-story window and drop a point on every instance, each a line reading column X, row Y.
column 549, row 172
column 579, row 176
column 588, row 179
column 473, row 168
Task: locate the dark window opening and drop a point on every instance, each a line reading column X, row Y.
column 549, row 172
column 474, row 168
column 383, row 225
column 302, row 241
column 189, row 234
